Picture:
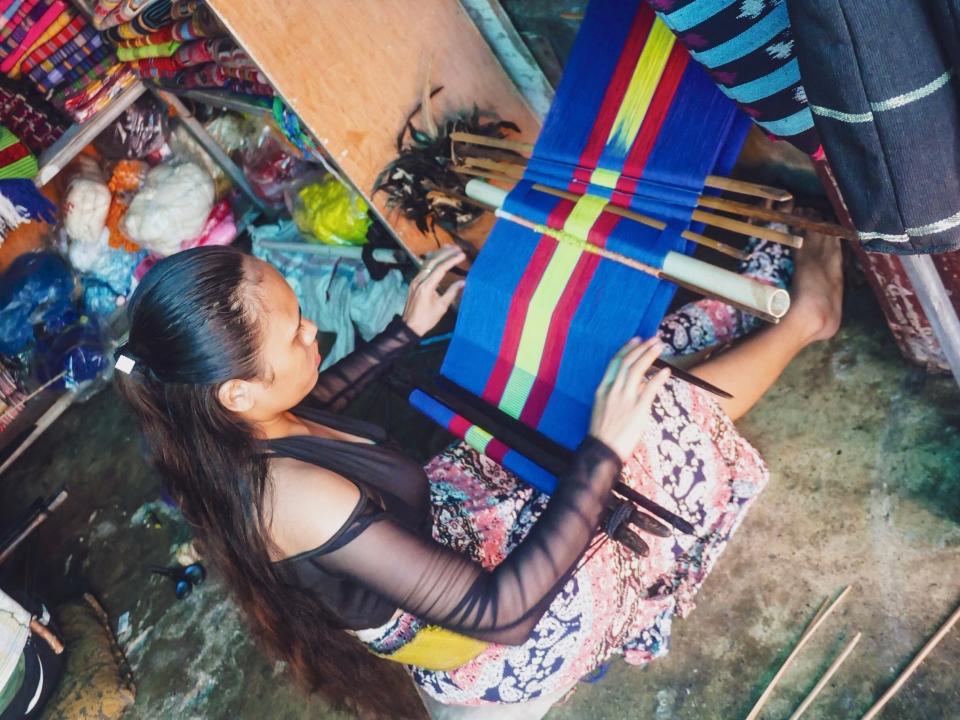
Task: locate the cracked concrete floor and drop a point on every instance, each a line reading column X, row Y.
column 864, row 454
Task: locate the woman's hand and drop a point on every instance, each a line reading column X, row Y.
column 621, row 407
column 425, row 306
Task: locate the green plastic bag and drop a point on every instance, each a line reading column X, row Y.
column 327, row 211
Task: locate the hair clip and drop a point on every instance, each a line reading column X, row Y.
column 125, row 364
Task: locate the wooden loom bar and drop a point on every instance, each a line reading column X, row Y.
column 757, row 298
column 761, row 213
column 693, row 237
column 561, row 236
column 652, row 222
column 741, row 187
column 515, row 171
column 743, row 228
column 772, row 319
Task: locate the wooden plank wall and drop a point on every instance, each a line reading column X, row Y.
column 354, row 70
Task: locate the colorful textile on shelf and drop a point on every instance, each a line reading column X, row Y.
column 881, row 77
column 197, row 52
column 159, row 37
column 210, row 75
column 196, row 21
column 48, row 44
column 98, row 94
column 37, row 38
column 247, row 74
column 16, row 160
column 126, row 54
column 748, row 49
column 29, row 116
column 77, row 65
column 45, row 51
column 78, row 87
column 633, row 122
column 158, row 68
column 109, row 13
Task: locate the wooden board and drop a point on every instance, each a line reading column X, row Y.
column 354, row 70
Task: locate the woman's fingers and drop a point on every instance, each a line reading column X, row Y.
column 632, row 357
column 445, row 262
column 615, row 362
column 452, row 292
column 652, row 387
column 638, row 369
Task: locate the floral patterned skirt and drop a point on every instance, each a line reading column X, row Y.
column 692, row 460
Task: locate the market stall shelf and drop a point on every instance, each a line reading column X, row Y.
column 78, row 136
column 355, row 88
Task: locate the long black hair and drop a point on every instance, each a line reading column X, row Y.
column 194, row 325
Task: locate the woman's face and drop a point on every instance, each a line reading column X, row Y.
column 288, row 355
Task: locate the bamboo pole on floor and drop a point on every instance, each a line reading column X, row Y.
column 814, row 625
column 912, row 667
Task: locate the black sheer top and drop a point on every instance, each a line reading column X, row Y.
column 383, row 557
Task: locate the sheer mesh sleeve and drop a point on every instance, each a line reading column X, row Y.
column 445, row 588
column 345, row 379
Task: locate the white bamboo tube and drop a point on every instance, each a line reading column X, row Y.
column 739, row 289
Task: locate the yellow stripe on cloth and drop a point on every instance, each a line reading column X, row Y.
column 436, row 648
column 636, row 101
column 63, row 19
column 543, row 304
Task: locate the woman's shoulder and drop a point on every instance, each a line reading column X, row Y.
column 307, row 505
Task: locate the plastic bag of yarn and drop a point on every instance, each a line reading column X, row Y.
column 172, row 207
column 86, row 203
column 140, row 131
column 37, row 289
column 269, row 166
column 327, row 211
column 77, row 350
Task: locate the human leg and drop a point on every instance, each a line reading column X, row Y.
column 749, row 369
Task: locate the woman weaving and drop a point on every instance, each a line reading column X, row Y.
column 332, row 539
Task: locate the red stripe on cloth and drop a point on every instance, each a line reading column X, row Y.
column 562, row 318
column 10, row 154
column 650, row 129
column 496, row 450
column 616, row 89
column 459, row 426
column 520, row 303
column 41, row 53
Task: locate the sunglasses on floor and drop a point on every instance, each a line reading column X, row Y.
column 184, row 577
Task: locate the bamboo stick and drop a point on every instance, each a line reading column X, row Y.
column 485, row 141
column 822, row 682
column 742, row 187
column 515, row 170
column 652, row 222
column 693, row 237
column 715, row 181
column 23, row 401
column 814, row 625
column 738, row 226
column 761, row 213
column 757, row 298
column 914, row 664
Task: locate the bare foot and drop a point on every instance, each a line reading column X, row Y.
column 817, row 291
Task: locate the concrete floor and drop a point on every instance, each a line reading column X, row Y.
column 864, row 453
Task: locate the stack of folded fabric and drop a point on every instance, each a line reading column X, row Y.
column 179, row 43
column 54, row 48
column 27, row 113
